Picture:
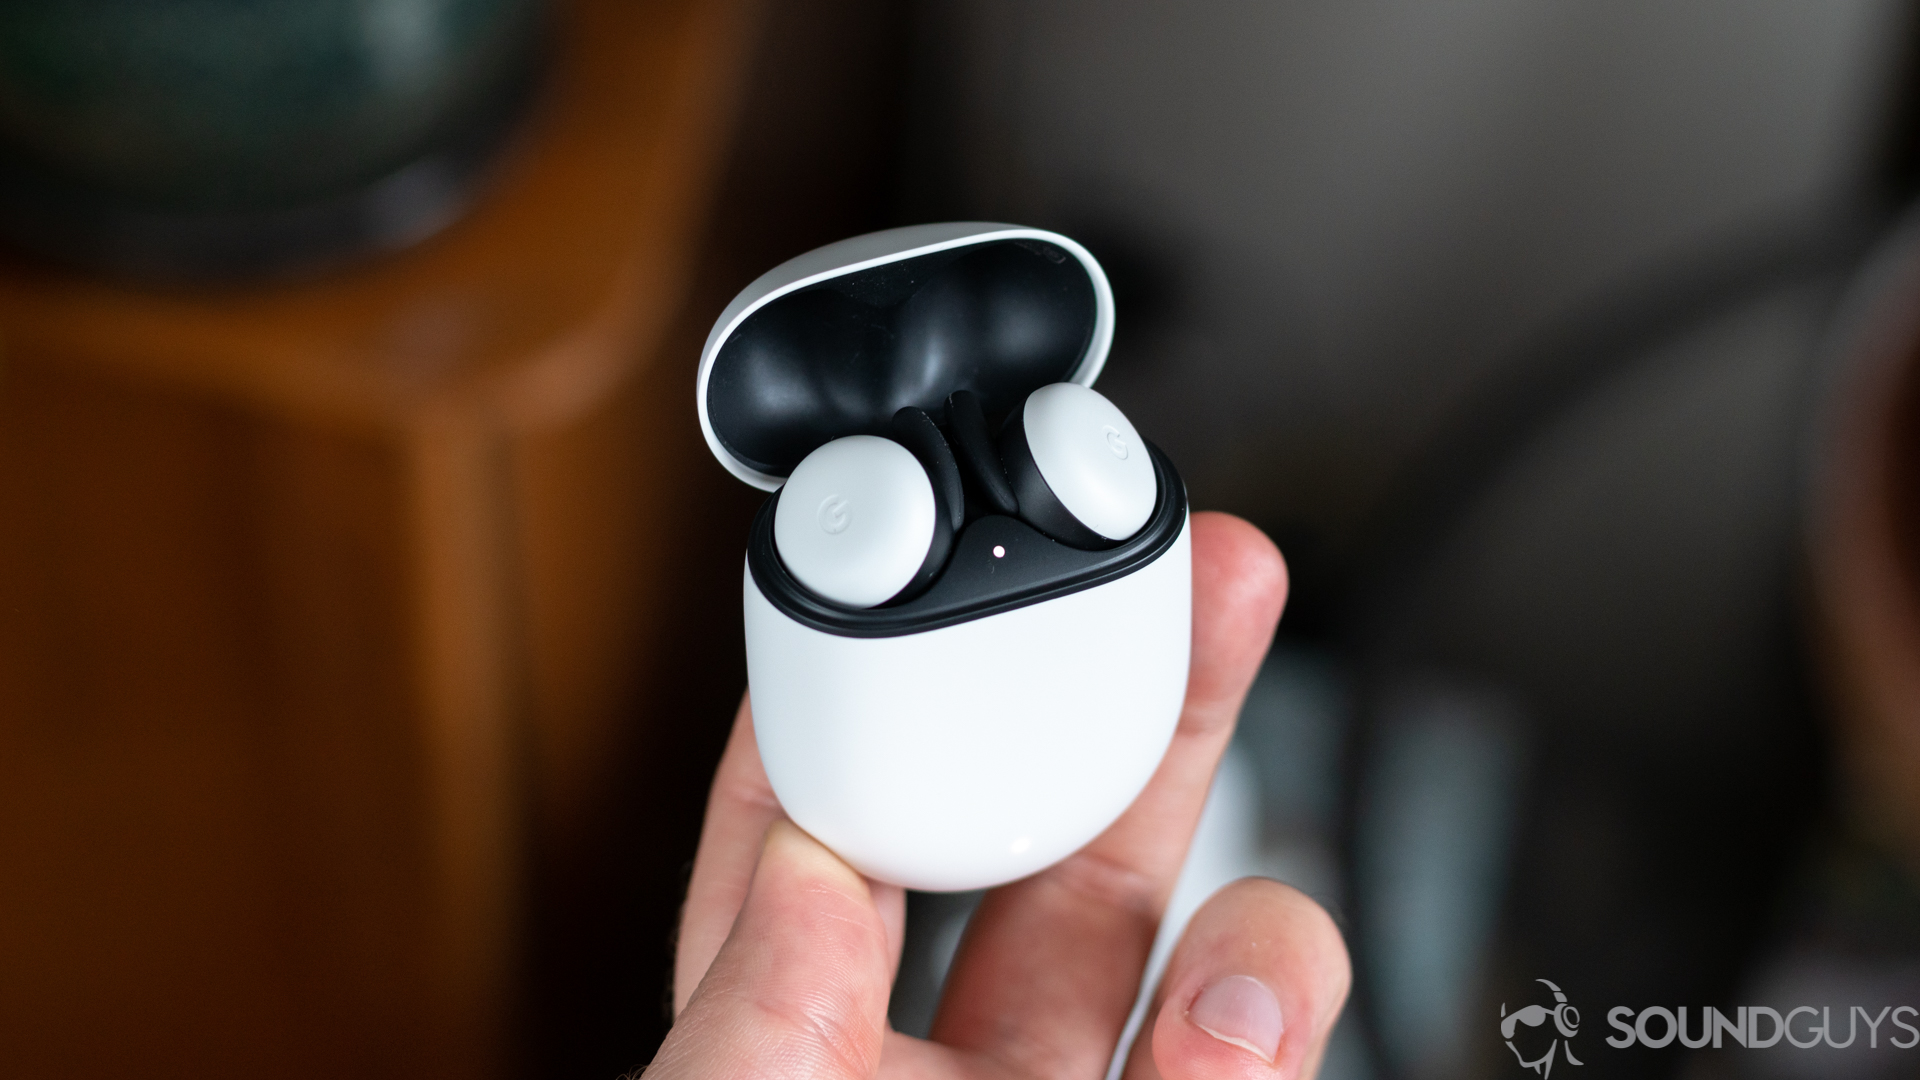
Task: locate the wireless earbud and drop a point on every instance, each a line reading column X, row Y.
column 857, row 521
column 864, row 520
column 1077, row 466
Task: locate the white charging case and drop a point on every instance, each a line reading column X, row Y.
column 998, row 721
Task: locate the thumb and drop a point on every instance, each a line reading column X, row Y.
column 799, row 989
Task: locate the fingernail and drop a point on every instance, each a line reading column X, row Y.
column 1239, row 1009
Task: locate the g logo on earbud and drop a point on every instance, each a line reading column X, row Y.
column 835, row 515
column 1116, row 442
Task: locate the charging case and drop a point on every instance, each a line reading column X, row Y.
column 998, row 721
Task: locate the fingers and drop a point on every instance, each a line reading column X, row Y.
column 1239, row 588
column 740, row 807
column 1051, row 964
column 1251, row 992
column 1055, row 959
column 799, row 988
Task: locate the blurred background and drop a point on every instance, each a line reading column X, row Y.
column 368, row 598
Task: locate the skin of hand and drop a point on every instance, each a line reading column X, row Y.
column 787, row 955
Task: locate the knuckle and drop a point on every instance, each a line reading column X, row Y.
column 1111, row 884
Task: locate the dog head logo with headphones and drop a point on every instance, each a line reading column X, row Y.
column 1566, row 1024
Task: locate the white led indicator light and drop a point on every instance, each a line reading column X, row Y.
column 999, row 552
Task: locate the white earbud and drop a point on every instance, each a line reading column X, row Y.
column 857, row 520
column 1078, row 466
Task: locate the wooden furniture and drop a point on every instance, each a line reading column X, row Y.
column 1865, row 552
column 315, row 598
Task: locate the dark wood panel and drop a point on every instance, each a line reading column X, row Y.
column 309, row 590
column 214, row 840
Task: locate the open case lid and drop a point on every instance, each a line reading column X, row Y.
column 835, row 341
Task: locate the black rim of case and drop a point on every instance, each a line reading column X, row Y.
column 975, row 583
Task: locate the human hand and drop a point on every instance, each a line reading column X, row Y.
column 787, row 955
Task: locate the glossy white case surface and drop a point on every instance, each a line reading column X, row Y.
column 971, row 755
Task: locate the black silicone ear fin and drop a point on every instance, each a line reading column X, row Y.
column 1039, row 506
column 915, row 430
column 969, row 427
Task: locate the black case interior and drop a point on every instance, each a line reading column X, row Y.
column 841, row 357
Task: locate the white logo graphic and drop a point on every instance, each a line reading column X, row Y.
column 1116, row 442
column 835, row 514
column 1566, row 1021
